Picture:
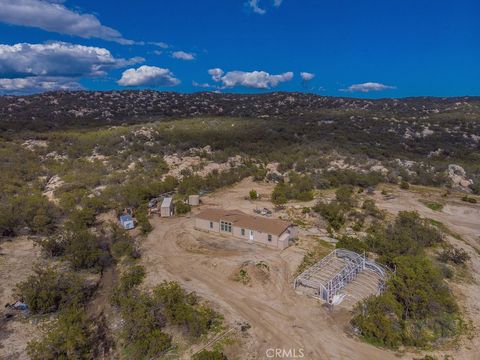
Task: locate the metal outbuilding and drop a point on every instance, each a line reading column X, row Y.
column 127, row 222
column 166, row 209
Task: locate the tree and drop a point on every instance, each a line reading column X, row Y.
column 182, row 208
column 279, row 196
column 404, row 185
column 48, row 290
column 253, row 194
column 332, row 212
column 344, row 196
column 71, row 337
column 455, row 255
column 83, row 249
column 351, row 243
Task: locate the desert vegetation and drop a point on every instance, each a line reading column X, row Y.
column 60, row 173
column 417, row 309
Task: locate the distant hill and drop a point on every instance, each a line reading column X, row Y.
column 56, row 110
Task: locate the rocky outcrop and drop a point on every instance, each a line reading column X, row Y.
column 458, row 177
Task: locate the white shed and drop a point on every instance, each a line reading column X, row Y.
column 166, row 209
column 193, row 200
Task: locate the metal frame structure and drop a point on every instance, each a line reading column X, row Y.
column 354, row 263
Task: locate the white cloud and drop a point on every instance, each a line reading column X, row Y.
column 27, row 68
column 37, row 84
column 367, row 87
column 55, row 17
column 253, row 79
column 148, row 76
column 216, row 73
column 58, row 59
column 160, row 44
column 182, row 55
column 307, row 76
column 255, row 6
column 256, row 9
column 202, row 85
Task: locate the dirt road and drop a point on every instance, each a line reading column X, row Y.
column 279, row 317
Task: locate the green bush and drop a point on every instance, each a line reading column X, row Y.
column 454, row 255
column 83, row 249
column 28, row 209
column 279, row 195
column 469, row 199
column 299, row 188
column 409, row 234
column 371, row 209
column 128, row 281
column 182, row 309
column 142, row 319
column 78, row 244
column 48, row 290
column 351, row 243
column 476, row 187
column 404, row 185
column 332, row 212
column 253, row 194
column 344, row 196
column 122, row 243
column 141, row 215
column 182, row 208
column 52, row 246
column 71, row 337
column 417, row 308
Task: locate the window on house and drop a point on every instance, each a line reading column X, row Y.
column 226, row 226
column 269, row 237
column 211, row 225
column 243, row 232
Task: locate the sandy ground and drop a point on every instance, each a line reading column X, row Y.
column 16, row 260
column 279, row 317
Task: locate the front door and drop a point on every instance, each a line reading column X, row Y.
column 251, row 235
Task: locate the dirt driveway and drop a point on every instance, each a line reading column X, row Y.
column 279, row 317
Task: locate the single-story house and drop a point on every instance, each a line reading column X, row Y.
column 166, row 208
column 127, row 222
column 271, row 232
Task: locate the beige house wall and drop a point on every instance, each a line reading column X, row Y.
column 276, row 242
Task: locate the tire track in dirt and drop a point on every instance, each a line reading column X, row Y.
column 279, row 317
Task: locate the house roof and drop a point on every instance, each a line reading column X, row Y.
column 167, row 202
column 242, row 220
column 125, row 218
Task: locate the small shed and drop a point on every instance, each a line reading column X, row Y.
column 193, row 200
column 127, row 222
column 166, row 209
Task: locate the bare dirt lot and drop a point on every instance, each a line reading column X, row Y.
column 279, row 317
column 16, row 260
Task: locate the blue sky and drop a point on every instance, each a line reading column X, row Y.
column 367, row 48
